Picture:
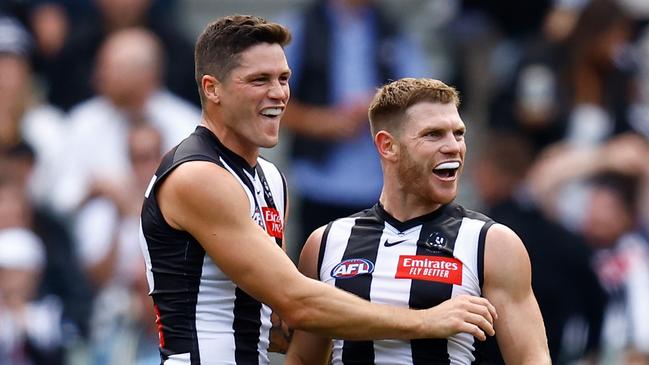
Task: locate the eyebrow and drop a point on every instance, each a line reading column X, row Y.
column 266, row 74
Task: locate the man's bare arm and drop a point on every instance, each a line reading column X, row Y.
column 206, row 201
column 520, row 330
column 308, row 348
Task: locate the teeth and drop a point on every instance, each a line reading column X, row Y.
column 272, row 112
column 452, row 165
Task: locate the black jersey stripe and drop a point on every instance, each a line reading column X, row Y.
column 481, row 246
column 179, row 332
column 246, row 327
column 364, row 243
column 426, row 294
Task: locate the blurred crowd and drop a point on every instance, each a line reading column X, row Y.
column 555, row 97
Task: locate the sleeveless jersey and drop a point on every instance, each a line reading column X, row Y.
column 418, row 264
column 202, row 316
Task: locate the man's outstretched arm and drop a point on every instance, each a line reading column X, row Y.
column 207, row 201
column 519, row 328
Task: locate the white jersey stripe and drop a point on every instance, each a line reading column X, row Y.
column 147, row 259
column 214, row 308
column 466, row 248
column 264, row 335
column 386, row 290
column 178, row 359
column 251, row 198
column 333, row 255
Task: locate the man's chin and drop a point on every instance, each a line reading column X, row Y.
column 446, row 197
column 269, row 143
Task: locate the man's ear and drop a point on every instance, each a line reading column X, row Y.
column 211, row 88
column 387, row 145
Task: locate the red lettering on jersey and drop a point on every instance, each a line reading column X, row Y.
column 158, row 324
column 430, row 268
column 273, row 221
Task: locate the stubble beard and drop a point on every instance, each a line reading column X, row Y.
column 415, row 180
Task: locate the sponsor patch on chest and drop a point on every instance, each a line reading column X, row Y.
column 430, row 268
column 352, row 267
column 273, row 221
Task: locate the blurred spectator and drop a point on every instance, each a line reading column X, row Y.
column 613, row 178
column 50, row 25
column 106, row 226
column 341, row 51
column 30, row 330
column 575, row 80
column 70, row 76
column 62, row 275
column 562, row 166
column 599, row 73
column 30, row 137
column 128, row 78
column 565, row 285
column 533, row 103
column 107, row 230
column 22, row 117
column 622, row 263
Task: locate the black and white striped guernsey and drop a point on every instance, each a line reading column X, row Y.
column 418, row 264
column 203, row 317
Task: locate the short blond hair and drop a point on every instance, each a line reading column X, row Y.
column 391, row 100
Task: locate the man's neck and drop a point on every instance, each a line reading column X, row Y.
column 403, row 206
column 231, row 140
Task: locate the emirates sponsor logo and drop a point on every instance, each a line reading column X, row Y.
column 430, row 268
column 273, row 221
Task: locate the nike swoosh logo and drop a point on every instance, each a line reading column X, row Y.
column 390, row 244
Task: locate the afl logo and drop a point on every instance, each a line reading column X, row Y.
column 351, row 268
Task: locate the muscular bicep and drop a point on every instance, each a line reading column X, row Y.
column 519, row 328
column 207, row 201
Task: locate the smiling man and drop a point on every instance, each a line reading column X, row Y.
column 415, row 248
column 213, row 218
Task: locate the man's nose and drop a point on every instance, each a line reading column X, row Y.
column 278, row 91
column 451, row 144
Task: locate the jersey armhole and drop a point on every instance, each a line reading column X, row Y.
column 323, row 244
column 481, row 247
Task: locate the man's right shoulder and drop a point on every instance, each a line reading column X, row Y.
column 198, row 186
column 195, row 172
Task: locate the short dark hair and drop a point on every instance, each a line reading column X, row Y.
column 219, row 47
column 391, row 100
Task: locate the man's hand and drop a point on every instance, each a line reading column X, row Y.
column 464, row 313
column 280, row 335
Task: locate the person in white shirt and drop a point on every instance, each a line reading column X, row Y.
column 22, row 116
column 128, row 80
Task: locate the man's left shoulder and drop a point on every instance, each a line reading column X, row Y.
column 461, row 212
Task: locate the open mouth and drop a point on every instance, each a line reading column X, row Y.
column 272, row 112
column 447, row 170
